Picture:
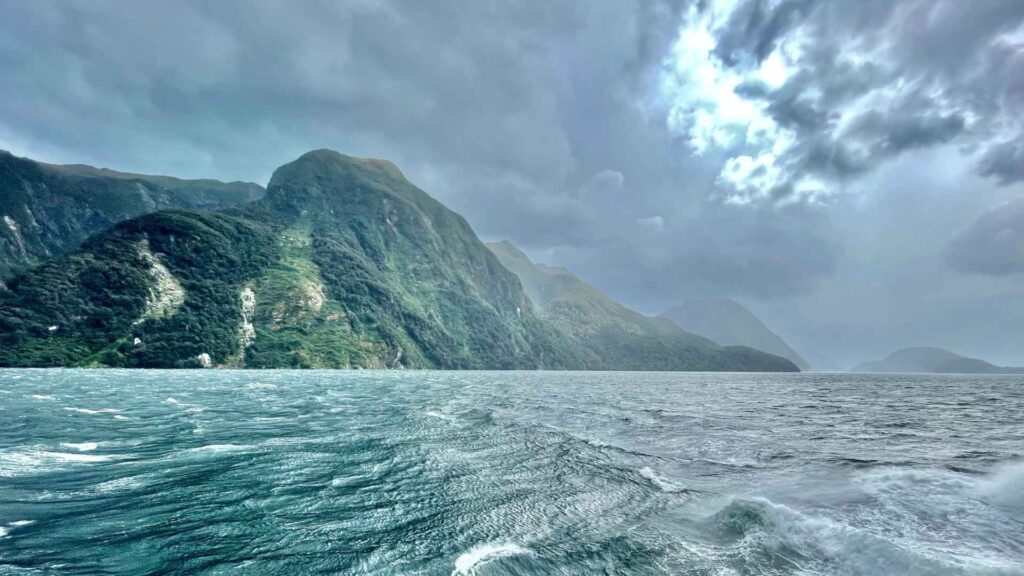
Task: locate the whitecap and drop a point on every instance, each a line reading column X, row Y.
column 660, row 482
column 94, row 412
column 81, row 446
column 43, row 397
column 20, row 523
column 3, row 531
column 127, row 483
column 32, row 461
column 435, row 414
column 467, row 562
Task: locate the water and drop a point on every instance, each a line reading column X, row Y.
column 214, row 472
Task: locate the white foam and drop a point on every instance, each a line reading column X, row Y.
column 20, row 523
column 660, row 482
column 128, row 483
column 467, row 562
column 43, row 397
column 434, row 414
column 3, row 531
column 94, row 411
column 32, row 461
column 1006, row 486
column 81, row 446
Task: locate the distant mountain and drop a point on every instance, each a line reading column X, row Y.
column 730, row 323
column 49, row 209
column 933, row 360
column 617, row 338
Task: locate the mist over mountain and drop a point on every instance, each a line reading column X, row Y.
column 342, row 264
column 927, row 359
column 728, row 322
column 49, row 209
column 617, row 337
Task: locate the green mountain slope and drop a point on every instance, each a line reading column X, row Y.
column 343, row 263
column 47, row 210
column 617, row 338
column 728, row 322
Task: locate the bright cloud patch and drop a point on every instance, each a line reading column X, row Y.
column 799, row 101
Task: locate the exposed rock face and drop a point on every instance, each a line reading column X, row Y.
column 165, row 294
column 247, row 331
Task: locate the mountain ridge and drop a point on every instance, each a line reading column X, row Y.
column 342, row 263
column 49, row 209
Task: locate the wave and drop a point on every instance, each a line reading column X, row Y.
column 467, row 562
column 772, row 534
column 1005, row 487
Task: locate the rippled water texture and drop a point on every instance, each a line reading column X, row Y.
column 214, row 472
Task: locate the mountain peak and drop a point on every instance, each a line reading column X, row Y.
column 320, row 179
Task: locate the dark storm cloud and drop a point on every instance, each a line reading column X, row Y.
column 993, row 243
column 1004, row 162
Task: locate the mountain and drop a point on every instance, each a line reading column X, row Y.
column 728, row 322
column 49, row 209
column 617, row 338
column 933, row 360
column 343, row 263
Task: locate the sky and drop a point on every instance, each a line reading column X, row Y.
column 852, row 170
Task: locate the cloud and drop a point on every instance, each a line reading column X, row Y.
column 1004, row 162
column 653, row 223
column 803, row 98
column 786, row 151
column 992, row 244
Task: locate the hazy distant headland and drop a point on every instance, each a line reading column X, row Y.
column 933, row 360
column 342, row 263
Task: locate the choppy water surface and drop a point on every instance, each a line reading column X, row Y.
column 212, row 472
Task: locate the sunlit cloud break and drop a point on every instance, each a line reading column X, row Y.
column 798, row 103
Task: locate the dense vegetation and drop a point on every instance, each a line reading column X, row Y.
column 48, row 210
column 91, row 307
column 617, row 338
column 343, row 264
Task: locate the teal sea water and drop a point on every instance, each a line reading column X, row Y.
column 516, row 473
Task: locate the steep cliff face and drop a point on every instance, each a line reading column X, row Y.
column 48, row 210
column 614, row 337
